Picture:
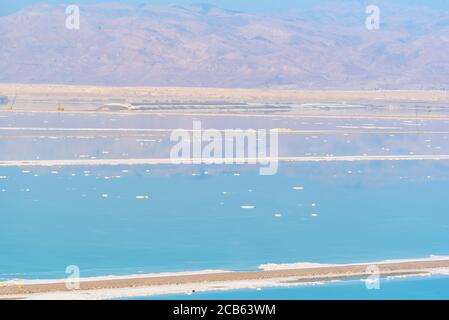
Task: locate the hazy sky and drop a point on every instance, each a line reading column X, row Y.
column 8, row 6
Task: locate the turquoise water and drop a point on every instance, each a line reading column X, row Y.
column 436, row 288
column 365, row 212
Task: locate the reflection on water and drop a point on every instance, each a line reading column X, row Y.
column 86, row 136
column 161, row 218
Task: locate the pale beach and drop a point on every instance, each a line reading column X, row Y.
column 149, row 285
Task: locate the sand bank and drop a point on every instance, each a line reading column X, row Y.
column 297, row 115
column 161, row 161
column 149, row 285
column 145, row 132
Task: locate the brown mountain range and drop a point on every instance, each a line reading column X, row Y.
column 200, row 45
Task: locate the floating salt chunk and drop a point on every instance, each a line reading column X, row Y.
column 248, row 207
column 298, row 188
column 225, row 193
column 73, row 174
column 125, row 171
column 104, row 195
column 3, row 177
column 26, row 171
column 314, row 215
column 3, row 190
column 236, row 174
column 278, row 215
column 54, row 172
column 206, row 173
column 349, row 172
column 195, row 174
column 259, row 289
column 105, row 152
column 313, row 204
column 142, row 197
column 36, row 175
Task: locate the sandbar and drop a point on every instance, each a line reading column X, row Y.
column 151, row 285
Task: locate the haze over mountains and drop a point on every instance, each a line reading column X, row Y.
column 326, row 47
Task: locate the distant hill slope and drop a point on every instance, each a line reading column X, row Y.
column 325, row 47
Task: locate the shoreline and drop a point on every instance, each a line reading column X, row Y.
column 144, row 132
column 309, row 115
column 219, row 161
column 203, row 281
column 225, row 102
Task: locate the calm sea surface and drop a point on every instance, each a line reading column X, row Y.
column 128, row 220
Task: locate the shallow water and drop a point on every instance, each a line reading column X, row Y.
column 26, row 136
column 120, row 220
column 436, row 288
column 193, row 217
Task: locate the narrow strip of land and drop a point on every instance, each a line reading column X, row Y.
column 262, row 160
column 297, row 115
column 209, row 280
column 144, row 132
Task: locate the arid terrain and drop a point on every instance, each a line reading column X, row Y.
column 328, row 47
column 222, row 101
